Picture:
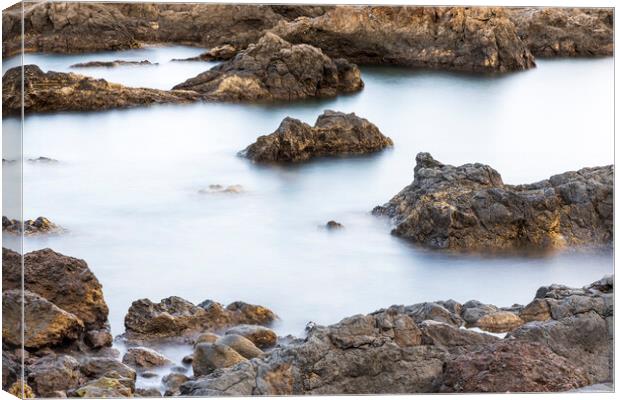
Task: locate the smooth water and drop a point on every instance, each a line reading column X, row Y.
column 127, row 182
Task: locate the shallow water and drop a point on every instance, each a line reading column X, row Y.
column 127, row 184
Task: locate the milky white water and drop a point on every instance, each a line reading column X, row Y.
column 126, row 188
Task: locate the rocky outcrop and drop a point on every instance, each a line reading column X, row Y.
column 333, row 134
column 565, row 32
column 41, row 225
column 457, row 38
column 58, row 91
column 110, row 64
column 273, row 69
column 470, row 208
column 178, row 319
column 396, row 350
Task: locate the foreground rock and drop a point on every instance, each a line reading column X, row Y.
column 178, row 319
column 274, row 69
column 396, row 350
column 469, row 207
column 41, row 225
column 110, row 64
column 477, row 39
column 58, row 91
column 333, row 134
column 565, row 32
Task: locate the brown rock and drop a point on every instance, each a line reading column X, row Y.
column 261, row 336
column 41, row 225
column 210, row 356
column 142, row 357
column 333, row 134
column 241, row 345
column 500, row 321
column 274, row 69
column 110, row 64
column 51, row 374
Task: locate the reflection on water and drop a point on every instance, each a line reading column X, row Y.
column 128, row 181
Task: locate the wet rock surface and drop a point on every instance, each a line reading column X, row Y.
column 59, row 91
column 41, row 225
column 273, row 69
column 468, row 39
column 565, row 32
column 470, row 208
column 110, row 64
column 333, row 134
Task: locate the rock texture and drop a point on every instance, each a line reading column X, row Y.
column 41, row 225
column 565, row 32
column 58, row 91
column 468, row 39
column 176, row 318
column 218, row 53
column 110, row 64
column 273, row 69
column 469, row 207
column 142, row 357
column 333, row 134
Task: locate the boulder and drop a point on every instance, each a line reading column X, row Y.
column 65, row 281
column 142, row 357
column 98, row 338
column 273, row 69
column 210, row 356
column 99, row 367
column 511, row 366
column 147, row 392
column 51, row 374
column 172, row 383
column 59, row 91
column 45, row 324
column 565, row 32
column 241, row 345
column 261, row 336
column 333, row 134
column 470, row 208
column 499, row 321
column 479, row 39
column 103, row 387
column 207, row 337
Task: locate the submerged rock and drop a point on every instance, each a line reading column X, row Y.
column 109, row 64
column 332, row 225
column 274, row 69
column 469, row 207
column 59, row 91
column 333, row 134
column 216, row 188
column 172, row 383
column 477, row 39
column 41, row 225
column 565, row 32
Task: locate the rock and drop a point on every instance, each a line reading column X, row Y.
column 218, row 53
column 142, row 357
column 499, row 321
column 207, row 337
column 65, row 281
column 51, row 374
column 172, row 383
column 149, row 375
column 445, row 335
column 565, row 32
column 175, row 317
column 479, row 39
column 188, row 359
column 211, row 356
column 331, row 225
column 433, row 311
column 147, row 392
column 59, row 91
column 43, row 160
column 262, row 337
column 473, row 310
column 469, row 207
column 103, row 387
column 110, row 64
column 98, row 338
column 99, row 367
column 41, row 225
column 241, row 345
column 334, row 134
column 511, row 366
column 11, row 368
column 221, row 189
column 274, row 69
column 21, row 390
column 45, row 324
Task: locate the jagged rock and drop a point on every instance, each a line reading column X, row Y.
column 142, row 357
column 175, row 317
column 45, row 323
column 41, row 225
column 210, row 356
column 432, row 311
column 511, row 367
column 98, row 338
column 51, row 374
column 469, row 207
column 172, row 383
column 65, row 281
column 103, row 387
column 477, row 39
column 274, row 69
column 261, row 336
column 241, row 345
column 110, row 64
column 100, row 367
column 334, row 134
column 218, row 53
column 59, row 91
column 565, row 32
column 446, row 336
